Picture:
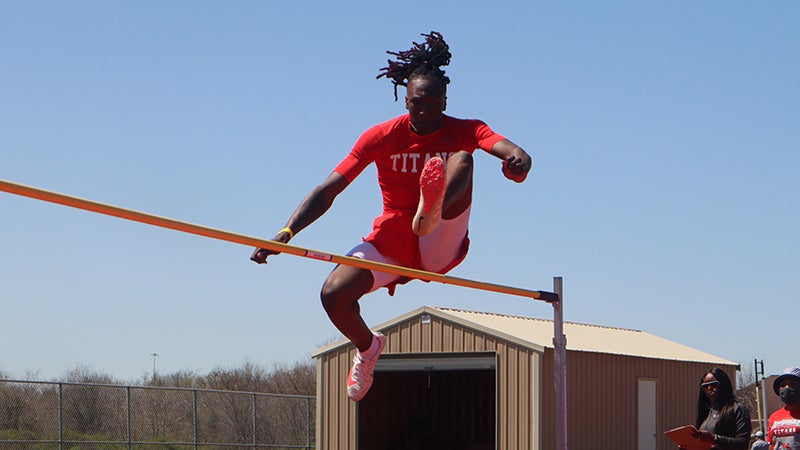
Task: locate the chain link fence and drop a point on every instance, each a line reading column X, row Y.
column 55, row 416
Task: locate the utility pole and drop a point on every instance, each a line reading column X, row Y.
column 154, row 355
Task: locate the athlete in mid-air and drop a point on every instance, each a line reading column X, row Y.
column 424, row 167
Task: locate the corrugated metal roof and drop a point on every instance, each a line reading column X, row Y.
column 536, row 334
column 583, row 337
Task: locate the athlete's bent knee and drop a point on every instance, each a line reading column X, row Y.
column 339, row 292
column 461, row 160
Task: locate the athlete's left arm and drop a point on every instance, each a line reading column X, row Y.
column 516, row 161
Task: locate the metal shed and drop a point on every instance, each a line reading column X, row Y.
column 455, row 379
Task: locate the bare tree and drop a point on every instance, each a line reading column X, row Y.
column 91, row 408
column 231, row 407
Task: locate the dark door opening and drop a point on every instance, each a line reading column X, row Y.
column 429, row 410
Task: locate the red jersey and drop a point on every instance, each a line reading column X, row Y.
column 784, row 430
column 399, row 155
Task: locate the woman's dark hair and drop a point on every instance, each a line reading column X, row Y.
column 420, row 61
column 725, row 397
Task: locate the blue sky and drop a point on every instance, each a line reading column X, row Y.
column 664, row 136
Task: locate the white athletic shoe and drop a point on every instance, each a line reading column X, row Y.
column 360, row 378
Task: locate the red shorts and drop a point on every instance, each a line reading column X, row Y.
column 393, row 242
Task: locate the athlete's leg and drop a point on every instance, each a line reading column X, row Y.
column 458, row 194
column 340, row 294
column 444, row 248
column 445, row 191
column 345, row 286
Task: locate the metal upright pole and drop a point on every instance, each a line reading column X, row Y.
column 255, row 422
column 128, row 417
column 758, row 394
column 60, row 416
column 761, row 398
column 765, row 425
column 560, row 366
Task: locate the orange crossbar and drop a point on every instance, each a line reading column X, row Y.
column 165, row 222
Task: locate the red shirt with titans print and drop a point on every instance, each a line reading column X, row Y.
column 399, row 155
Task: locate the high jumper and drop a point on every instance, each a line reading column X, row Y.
column 424, row 165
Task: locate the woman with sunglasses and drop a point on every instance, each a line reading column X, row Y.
column 721, row 420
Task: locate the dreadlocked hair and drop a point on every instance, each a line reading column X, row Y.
column 420, row 61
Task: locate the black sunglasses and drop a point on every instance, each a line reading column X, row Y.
column 709, row 384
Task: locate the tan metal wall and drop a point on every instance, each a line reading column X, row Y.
column 602, row 398
column 335, row 412
column 515, row 410
column 602, row 390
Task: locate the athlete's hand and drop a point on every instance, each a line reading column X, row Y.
column 516, row 168
column 260, row 254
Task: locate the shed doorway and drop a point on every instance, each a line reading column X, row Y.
column 425, row 403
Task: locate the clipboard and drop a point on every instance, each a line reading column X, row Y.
column 683, row 437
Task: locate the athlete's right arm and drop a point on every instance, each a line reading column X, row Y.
column 313, row 206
